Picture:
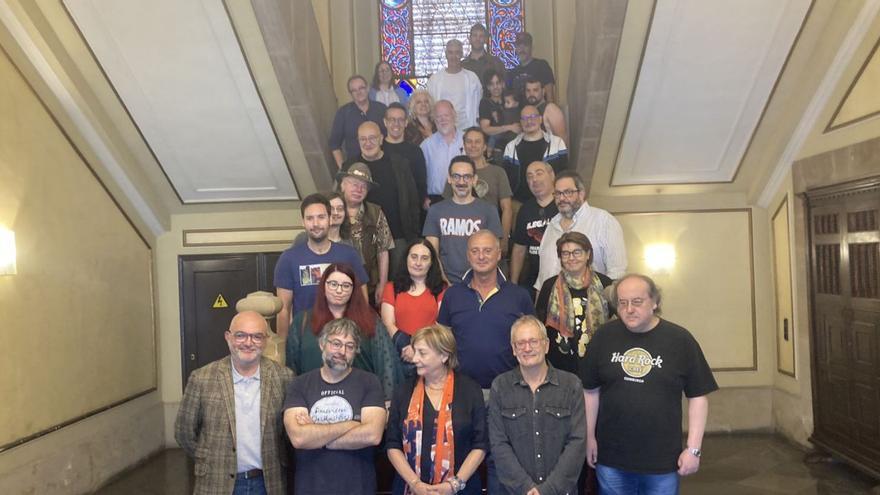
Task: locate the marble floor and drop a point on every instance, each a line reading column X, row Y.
column 743, row 464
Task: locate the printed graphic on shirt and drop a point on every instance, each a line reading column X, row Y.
column 636, row 363
column 330, row 410
column 311, row 274
column 460, row 227
column 535, row 230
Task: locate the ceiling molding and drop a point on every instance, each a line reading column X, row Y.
column 708, row 101
column 831, row 125
column 854, row 38
column 80, row 119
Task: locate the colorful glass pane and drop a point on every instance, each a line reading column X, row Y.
column 396, row 25
column 504, row 20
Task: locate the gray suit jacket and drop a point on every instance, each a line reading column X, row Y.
column 205, row 426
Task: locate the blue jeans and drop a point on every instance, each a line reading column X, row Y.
column 253, row 486
column 614, row 481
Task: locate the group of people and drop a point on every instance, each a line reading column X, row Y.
column 404, row 327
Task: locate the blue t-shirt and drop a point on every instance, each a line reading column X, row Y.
column 324, row 471
column 299, row 269
column 452, row 224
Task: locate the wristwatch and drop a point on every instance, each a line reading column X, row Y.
column 457, row 484
column 695, row 452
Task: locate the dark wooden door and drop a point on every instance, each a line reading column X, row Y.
column 203, row 281
column 844, row 226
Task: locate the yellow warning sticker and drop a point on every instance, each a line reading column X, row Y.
column 220, row 302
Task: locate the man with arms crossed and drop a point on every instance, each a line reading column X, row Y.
column 634, row 375
column 334, row 417
column 229, row 420
column 536, row 424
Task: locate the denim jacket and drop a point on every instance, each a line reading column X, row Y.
column 538, row 440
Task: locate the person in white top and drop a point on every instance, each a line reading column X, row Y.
column 603, row 230
column 458, row 85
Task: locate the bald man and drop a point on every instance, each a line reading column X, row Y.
column 458, row 85
column 230, row 419
column 394, row 190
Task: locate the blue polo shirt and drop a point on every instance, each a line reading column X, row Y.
column 482, row 328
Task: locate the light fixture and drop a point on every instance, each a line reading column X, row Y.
column 7, row 252
column 660, row 257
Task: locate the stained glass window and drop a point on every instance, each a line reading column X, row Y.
column 414, row 32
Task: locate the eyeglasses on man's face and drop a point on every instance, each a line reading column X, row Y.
column 337, row 344
column 462, row 177
column 635, row 303
column 528, row 344
column 241, row 337
column 568, row 193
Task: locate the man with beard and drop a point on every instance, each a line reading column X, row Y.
column 440, row 148
column 531, row 221
column 298, row 271
column 395, row 144
column 343, row 134
column 394, row 189
column 451, row 222
column 367, row 226
column 458, row 85
column 229, row 420
column 554, row 120
column 536, row 400
column 335, row 417
column 600, row 227
column 532, row 145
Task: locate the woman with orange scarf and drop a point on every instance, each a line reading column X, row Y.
column 437, row 434
column 572, row 304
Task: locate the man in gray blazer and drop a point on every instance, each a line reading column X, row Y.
column 230, row 419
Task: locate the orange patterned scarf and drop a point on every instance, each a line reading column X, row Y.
column 443, row 447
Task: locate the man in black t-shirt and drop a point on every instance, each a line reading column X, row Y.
column 529, row 67
column 528, row 229
column 334, row 417
column 634, row 374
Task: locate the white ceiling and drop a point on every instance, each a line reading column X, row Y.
column 179, row 70
column 708, row 70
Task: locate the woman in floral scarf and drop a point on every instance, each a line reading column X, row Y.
column 572, row 304
column 437, row 434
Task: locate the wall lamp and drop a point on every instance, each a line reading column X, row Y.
column 660, row 258
column 7, row 252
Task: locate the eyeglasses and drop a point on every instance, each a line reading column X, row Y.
column 528, row 344
column 568, row 193
column 530, row 117
column 461, row 177
column 337, row 344
column 334, row 285
column 635, row 303
column 575, row 253
column 357, row 89
column 368, row 139
column 399, row 120
column 256, row 338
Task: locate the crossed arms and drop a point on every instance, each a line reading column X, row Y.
column 346, row 435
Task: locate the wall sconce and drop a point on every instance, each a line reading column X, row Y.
column 7, row 252
column 660, row 257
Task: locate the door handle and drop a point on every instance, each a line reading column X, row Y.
column 192, row 357
column 785, row 329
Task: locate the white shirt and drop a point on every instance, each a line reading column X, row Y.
column 247, row 421
column 604, row 233
column 463, row 89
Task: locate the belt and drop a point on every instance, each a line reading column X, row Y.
column 253, row 473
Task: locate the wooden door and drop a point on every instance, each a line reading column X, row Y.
column 844, row 226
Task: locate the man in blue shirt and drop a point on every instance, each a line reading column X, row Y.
column 299, row 269
column 481, row 309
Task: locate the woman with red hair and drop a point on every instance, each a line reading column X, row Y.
column 339, row 295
